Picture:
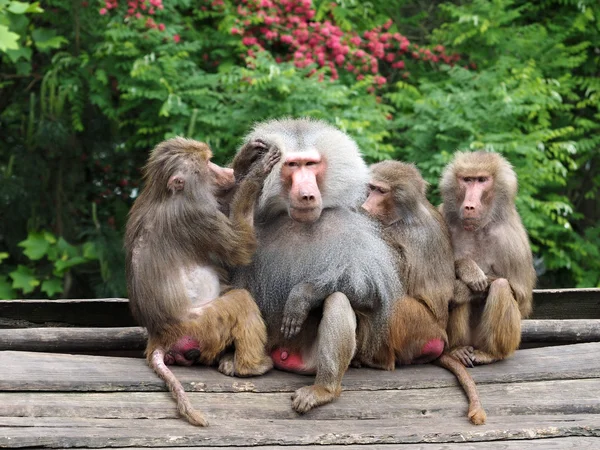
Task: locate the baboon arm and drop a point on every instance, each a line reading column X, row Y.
column 468, row 271
column 303, row 297
column 242, row 207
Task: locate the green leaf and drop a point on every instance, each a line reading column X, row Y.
column 52, row 287
column 18, row 7
column 36, row 245
column 35, row 8
column 8, row 39
column 89, row 251
column 22, row 52
column 49, row 237
column 66, row 250
column 23, row 278
column 3, row 255
column 46, row 39
column 61, row 266
column 6, row 290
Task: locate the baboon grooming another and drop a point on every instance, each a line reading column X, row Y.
column 179, row 246
column 493, row 261
column 420, row 238
column 322, row 276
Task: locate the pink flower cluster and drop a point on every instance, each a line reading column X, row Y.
column 287, row 28
column 140, row 9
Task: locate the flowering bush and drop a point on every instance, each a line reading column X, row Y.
column 88, row 88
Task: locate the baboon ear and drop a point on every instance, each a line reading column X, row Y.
column 176, row 183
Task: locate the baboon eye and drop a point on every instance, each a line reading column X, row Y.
column 482, row 179
column 467, row 179
column 292, row 164
column 311, row 163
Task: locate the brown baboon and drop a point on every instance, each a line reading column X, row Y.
column 179, row 246
column 417, row 233
column 493, row 261
column 322, row 276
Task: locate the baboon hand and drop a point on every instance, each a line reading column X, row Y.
column 294, row 315
column 262, row 168
column 473, row 277
column 478, row 282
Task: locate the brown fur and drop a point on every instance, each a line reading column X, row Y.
column 420, row 238
column 493, row 261
column 179, row 246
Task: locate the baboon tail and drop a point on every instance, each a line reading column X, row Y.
column 476, row 414
column 184, row 406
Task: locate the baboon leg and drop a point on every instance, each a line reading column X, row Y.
column 459, row 334
column 462, row 293
column 459, row 330
column 498, row 334
column 336, row 344
column 249, row 335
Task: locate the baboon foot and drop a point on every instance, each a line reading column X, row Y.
column 309, row 397
column 230, row 367
column 479, row 358
column 465, row 355
column 226, row 365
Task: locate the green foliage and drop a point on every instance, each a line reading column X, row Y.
column 85, row 96
column 49, row 266
column 529, row 100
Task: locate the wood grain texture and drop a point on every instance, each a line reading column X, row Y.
column 530, row 398
column 23, row 371
column 545, row 396
column 550, row 443
column 114, row 312
column 571, row 331
column 77, row 432
column 60, row 339
column 52, row 339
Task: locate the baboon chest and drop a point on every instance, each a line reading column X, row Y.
column 202, row 284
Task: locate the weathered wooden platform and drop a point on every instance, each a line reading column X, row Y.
column 548, row 395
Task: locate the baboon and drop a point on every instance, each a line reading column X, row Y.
column 179, row 246
column 322, row 276
column 493, row 260
column 417, row 233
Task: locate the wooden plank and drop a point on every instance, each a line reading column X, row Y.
column 114, row 312
column 552, row 443
column 73, row 339
column 571, row 330
column 134, row 338
column 510, row 399
column 566, row 304
column 20, row 432
column 51, row 372
column 103, row 312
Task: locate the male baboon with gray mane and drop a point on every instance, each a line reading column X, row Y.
column 322, row 276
